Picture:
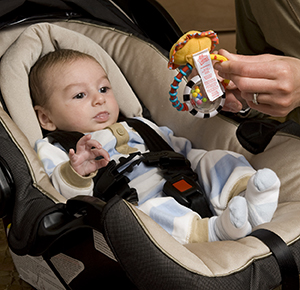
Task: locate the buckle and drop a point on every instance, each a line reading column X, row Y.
column 181, row 189
column 188, row 193
column 109, row 181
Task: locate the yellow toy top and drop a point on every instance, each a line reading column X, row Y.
column 182, row 51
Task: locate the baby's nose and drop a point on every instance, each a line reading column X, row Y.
column 99, row 99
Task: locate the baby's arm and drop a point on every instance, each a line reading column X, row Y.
column 84, row 161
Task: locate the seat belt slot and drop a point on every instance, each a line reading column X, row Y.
column 165, row 159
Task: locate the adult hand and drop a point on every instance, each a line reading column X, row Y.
column 84, row 160
column 275, row 78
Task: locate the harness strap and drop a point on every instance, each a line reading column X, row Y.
column 175, row 167
column 66, row 139
column 284, row 257
column 153, row 141
column 192, row 195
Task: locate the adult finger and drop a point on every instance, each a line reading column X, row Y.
column 259, row 98
column 247, row 58
column 264, row 69
column 252, row 85
column 268, row 109
column 232, row 104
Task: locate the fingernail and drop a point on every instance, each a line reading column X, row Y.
column 218, row 66
column 234, row 107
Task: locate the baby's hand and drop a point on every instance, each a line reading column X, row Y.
column 84, row 160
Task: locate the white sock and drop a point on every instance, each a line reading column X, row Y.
column 262, row 196
column 232, row 224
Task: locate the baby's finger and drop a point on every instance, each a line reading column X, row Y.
column 73, row 157
column 86, row 143
column 102, row 163
column 80, row 146
column 93, row 144
column 71, row 153
column 102, row 152
column 97, row 152
column 84, row 139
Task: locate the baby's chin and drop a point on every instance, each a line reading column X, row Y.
column 98, row 127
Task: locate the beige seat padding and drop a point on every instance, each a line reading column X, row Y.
column 33, row 43
column 146, row 70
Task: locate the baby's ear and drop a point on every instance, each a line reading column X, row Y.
column 44, row 120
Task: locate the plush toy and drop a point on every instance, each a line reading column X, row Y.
column 196, row 97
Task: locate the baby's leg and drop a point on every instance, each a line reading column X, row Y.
column 262, row 196
column 232, row 224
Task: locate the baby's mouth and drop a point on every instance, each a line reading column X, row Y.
column 102, row 117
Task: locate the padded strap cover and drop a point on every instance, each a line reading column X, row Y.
column 287, row 265
column 255, row 134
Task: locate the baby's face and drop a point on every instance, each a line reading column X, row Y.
column 81, row 98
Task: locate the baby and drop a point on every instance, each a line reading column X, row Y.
column 71, row 92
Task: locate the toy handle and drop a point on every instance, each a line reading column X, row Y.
column 220, row 58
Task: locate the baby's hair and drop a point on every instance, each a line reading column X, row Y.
column 37, row 76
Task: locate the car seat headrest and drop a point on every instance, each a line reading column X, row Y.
column 36, row 41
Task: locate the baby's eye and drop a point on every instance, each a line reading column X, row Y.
column 80, row 96
column 103, row 90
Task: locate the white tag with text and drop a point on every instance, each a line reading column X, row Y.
column 205, row 69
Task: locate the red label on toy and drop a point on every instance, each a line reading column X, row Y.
column 205, row 69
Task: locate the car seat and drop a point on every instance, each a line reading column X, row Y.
column 84, row 243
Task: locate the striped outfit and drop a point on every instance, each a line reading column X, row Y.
column 223, row 174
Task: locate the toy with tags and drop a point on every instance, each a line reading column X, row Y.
column 204, row 95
